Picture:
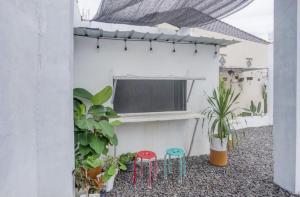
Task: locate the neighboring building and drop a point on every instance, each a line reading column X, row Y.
column 244, row 66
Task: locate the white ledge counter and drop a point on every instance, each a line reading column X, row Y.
column 157, row 116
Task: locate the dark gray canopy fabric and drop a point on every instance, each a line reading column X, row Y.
column 181, row 13
column 204, row 14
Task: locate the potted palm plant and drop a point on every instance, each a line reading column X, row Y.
column 218, row 117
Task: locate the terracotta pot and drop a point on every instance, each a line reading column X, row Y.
column 94, row 172
column 218, row 151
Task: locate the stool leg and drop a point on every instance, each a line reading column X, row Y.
column 180, row 170
column 141, row 172
column 150, row 173
column 134, row 172
column 170, row 164
column 184, row 166
column 156, row 168
column 165, row 166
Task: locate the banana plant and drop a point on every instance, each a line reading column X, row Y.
column 93, row 131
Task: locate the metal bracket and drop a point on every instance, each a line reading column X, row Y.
column 190, row 91
column 193, row 137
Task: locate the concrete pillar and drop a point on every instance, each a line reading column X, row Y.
column 36, row 127
column 286, row 134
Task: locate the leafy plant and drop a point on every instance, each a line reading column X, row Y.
column 253, row 110
column 111, row 165
column 220, row 113
column 84, row 180
column 93, row 131
column 125, row 159
column 92, row 162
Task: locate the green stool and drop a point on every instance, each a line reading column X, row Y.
column 177, row 153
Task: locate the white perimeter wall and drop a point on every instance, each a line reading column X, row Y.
column 94, row 69
column 286, row 132
column 36, row 126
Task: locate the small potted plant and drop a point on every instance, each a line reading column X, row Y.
column 219, row 116
column 127, row 160
column 87, row 180
column 111, row 169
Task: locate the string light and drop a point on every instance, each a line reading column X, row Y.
column 150, row 41
column 174, row 47
column 98, row 43
column 196, row 51
column 125, row 48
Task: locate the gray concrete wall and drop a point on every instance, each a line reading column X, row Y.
column 36, row 130
column 286, row 95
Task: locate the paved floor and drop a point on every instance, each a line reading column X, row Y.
column 249, row 173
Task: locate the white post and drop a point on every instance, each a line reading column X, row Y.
column 36, row 127
column 286, row 134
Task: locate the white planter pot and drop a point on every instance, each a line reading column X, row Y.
column 110, row 183
column 217, row 145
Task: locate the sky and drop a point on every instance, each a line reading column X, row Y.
column 256, row 18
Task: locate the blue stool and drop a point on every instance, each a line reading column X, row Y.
column 177, row 153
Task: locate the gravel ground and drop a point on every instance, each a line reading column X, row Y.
column 249, row 173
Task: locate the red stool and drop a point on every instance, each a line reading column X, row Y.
column 148, row 155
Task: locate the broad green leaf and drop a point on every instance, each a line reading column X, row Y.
column 83, row 138
column 92, row 162
column 76, row 103
column 97, row 110
column 97, row 144
column 111, row 170
column 84, row 150
column 123, row 167
column 106, row 128
column 81, row 109
column 111, row 113
column 82, row 93
column 116, row 123
column 91, row 123
column 114, row 140
column 102, row 96
column 81, row 123
column 105, row 151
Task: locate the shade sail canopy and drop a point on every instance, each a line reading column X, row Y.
column 181, row 13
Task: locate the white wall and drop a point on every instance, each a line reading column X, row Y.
column 94, row 69
column 286, row 132
column 250, row 90
column 36, row 130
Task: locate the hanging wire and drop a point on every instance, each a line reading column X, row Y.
column 125, row 42
column 174, row 50
column 150, row 43
column 196, row 51
column 98, row 46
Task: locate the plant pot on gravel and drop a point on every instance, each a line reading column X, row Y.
column 126, row 160
column 218, row 151
column 219, row 116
